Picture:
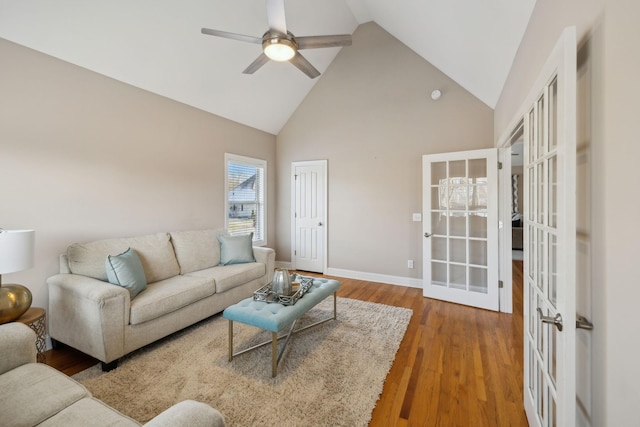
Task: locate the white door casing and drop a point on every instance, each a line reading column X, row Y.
column 460, row 226
column 550, row 240
column 309, row 216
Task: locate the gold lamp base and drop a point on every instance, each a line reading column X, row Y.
column 15, row 300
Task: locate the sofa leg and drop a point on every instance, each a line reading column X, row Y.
column 106, row 367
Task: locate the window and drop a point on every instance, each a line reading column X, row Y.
column 245, row 189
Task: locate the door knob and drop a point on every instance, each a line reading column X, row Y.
column 320, row 224
column 557, row 320
column 428, row 234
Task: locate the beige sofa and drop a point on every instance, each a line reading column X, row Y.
column 34, row 394
column 186, row 284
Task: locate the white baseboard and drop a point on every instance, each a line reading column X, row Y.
column 285, row 265
column 374, row 277
column 362, row 275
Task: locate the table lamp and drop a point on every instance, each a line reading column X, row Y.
column 16, row 254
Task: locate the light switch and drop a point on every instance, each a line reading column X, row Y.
column 417, row 217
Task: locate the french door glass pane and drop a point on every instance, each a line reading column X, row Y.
column 457, row 169
column 478, row 280
column 553, row 112
column 552, row 368
column 540, row 276
column 542, row 149
column 458, row 221
column 439, row 223
column 478, row 225
column 439, row 248
column 552, row 166
column 458, row 276
column 477, row 169
column 540, row 198
column 439, row 273
column 438, row 172
column 458, row 251
column 478, row 252
column 553, row 269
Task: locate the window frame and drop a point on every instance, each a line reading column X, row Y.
column 251, row 162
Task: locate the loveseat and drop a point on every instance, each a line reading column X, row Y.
column 36, row 394
column 190, row 275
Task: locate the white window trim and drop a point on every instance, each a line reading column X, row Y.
column 250, row 161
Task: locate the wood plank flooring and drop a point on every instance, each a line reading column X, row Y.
column 456, row 366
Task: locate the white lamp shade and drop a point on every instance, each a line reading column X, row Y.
column 16, row 250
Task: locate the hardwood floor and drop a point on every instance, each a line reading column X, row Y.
column 456, row 366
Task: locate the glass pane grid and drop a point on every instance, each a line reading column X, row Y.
column 459, row 206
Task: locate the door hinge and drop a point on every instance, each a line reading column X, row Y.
column 499, row 165
column 295, row 177
column 500, row 284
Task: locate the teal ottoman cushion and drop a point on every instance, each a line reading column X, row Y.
column 275, row 317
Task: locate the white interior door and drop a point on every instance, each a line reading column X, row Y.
column 550, row 240
column 460, row 225
column 309, row 215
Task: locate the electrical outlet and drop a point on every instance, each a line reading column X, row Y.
column 410, row 263
column 417, row 217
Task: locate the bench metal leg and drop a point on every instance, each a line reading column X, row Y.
column 275, row 355
column 230, row 340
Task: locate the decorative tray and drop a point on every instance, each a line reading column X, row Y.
column 267, row 295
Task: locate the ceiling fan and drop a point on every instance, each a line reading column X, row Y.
column 280, row 45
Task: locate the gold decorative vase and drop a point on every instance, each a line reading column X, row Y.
column 15, row 300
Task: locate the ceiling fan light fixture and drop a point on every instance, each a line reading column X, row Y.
column 279, row 49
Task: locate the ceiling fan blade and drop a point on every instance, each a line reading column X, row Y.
column 314, row 42
column 233, row 36
column 276, row 16
column 304, row 65
column 255, row 65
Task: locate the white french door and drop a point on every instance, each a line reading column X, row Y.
column 550, row 240
column 460, row 226
column 309, row 215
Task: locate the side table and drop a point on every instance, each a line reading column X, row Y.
column 35, row 319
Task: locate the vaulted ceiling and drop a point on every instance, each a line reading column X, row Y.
column 157, row 45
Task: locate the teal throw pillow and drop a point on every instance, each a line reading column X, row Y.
column 126, row 270
column 236, row 249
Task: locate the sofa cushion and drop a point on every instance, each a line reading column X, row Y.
column 126, row 270
column 236, row 249
column 89, row 412
column 169, row 295
column 41, row 389
column 155, row 252
column 197, row 250
column 230, row 276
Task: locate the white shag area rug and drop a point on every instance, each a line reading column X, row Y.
column 329, row 375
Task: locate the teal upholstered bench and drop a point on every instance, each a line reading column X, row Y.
column 275, row 317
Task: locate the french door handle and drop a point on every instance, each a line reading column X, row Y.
column 557, row 320
column 427, row 235
column 320, row 224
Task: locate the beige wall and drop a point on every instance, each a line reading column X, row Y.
column 608, row 240
column 371, row 116
column 84, row 157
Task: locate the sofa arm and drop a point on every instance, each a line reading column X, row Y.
column 188, row 413
column 267, row 256
column 88, row 314
column 17, row 346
